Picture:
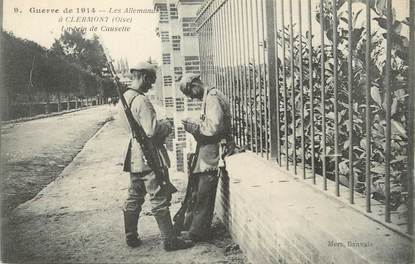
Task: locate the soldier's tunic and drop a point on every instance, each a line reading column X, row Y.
column 142, row 178
column 214, row 124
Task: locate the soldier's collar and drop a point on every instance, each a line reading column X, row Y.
column 207, row 90
column 139, row 92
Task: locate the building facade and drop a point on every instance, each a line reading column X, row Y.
column 180, row 54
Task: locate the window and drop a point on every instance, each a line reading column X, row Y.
column 163, row 14
column 167, row 80
column 178, row 72
column 173, row 11
column 191, row 64
column 179, row 104
column 168, row 102
column 181, row 134
column 164, row 35
column 166, row 58
column 176, row 42
column 188, row 25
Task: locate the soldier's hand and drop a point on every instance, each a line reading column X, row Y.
column 168, row 125
column 190, row 126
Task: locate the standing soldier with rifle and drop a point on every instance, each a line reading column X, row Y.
column 213, row 135
column 147, row 161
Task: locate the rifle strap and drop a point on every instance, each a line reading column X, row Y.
column 129, row 105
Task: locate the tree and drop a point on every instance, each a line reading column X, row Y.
column 78, row 49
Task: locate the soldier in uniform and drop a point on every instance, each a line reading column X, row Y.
column 142, row 178
column 213, row 127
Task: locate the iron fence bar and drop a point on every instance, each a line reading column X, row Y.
column 247, row 82
column 350, row 101
column 236, row 78
column 204, row 34
column 200, row 53
column 203, row 54
column 310, row 84
column 222, row 47
column 259, row 80
column 277, row 92
column 294, row 148
column 336, row 117
column 254, row 79
column 230, row 28
column 199, row 35
column 239, row 71
column 233, row 80
column 226, row 53
column 209, row 55
column 266, row 87
column 208, row 44
column 215, row 49
column 272, row 80
column 230, row 79
column 240, row 67
column 323, row 97
column 227, row 58
column 244, row 63
column 211, row 49
column 388, row 108
column 411, row 148
column 218, row 47
column 300, row 22
column 250, row 121
column 368, row 111
column 284, row 81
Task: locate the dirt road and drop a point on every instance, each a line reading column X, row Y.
column 33, row 153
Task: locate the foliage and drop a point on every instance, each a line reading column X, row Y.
column 53, row 72
column 257, row 102
column 75, row 47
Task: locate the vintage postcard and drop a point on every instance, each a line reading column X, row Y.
column 207, row 131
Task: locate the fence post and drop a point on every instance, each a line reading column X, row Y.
column 411, row 149
column 272, row 84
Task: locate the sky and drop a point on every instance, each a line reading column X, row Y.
column 136, row 45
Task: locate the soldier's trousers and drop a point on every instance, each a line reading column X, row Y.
column 140, row 185
column 203, row 204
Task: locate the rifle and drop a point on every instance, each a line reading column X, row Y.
column 151, row 155
column 179, row 217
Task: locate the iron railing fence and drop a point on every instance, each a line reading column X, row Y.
column 324, row 87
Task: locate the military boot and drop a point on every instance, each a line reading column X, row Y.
column 130, row 224
column 170, row 240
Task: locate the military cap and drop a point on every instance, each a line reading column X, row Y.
column 186, row 79
column 144, row 66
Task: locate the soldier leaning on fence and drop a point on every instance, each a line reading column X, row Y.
column 213, row 128
column 142, row 178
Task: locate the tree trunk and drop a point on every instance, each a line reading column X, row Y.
column 76, row 102
column 59, row 101
column 30, row 104
column 69, row 102
column 7, row 108
column 47, row 109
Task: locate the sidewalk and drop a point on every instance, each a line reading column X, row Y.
column 78, row 218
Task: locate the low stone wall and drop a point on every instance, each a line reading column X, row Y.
column 277, row 218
